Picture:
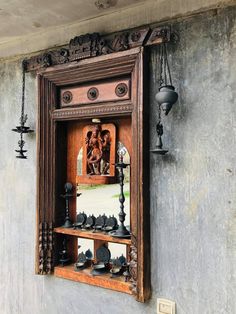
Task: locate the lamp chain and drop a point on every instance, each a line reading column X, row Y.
column 167, row 63
column 165, row 74
column 22, row 122
column 161, row 65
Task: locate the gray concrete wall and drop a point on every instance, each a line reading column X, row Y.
column 193, row 189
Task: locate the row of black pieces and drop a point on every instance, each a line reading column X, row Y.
column 116, row 267
column 102, row 222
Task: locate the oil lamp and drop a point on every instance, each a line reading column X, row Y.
column 166, row 97
column 122, row 231
column 159, row 129
column 22, row 129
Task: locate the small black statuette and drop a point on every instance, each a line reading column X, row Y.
column 64, row 259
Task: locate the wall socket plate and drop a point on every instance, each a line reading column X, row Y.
column 165, row 306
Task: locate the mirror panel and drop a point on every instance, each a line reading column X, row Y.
column 80, row 162
column 99, row 199
column 117, row 250
column 84, row 245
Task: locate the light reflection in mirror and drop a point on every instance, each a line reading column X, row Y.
column 79, row 162
column 117, row 250
column 84, row 245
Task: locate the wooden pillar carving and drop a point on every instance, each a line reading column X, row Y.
column 133, row 264
column 45, row 248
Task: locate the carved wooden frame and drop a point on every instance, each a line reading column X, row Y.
column 50, row 181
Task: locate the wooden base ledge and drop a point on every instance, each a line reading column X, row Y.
column 91, row 235
column 84, row 276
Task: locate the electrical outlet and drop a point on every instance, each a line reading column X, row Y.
column 165, row 306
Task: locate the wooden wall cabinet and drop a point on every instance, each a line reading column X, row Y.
column 64, row 112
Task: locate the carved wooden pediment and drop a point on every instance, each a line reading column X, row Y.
column 92, row 45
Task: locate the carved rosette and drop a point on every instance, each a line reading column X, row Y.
column 38, row 62
column 45, row 248
column 133, row 267
column 59, row 56
column 67, row 97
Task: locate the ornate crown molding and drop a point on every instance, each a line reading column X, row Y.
column 92, row 45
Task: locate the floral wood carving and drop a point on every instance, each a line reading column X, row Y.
column 45, row 248
column 91, row 45
column 59, row 56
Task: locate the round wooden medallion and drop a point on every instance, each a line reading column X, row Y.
column 121, row 89
column 92, row 93
column 67, row 97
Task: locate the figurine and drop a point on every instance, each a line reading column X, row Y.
column 106, row 146
column 94, row 151
column 64, row 259
column 98, row 151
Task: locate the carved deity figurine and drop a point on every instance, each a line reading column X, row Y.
column 106, row 146
column 98, row 151
column 94, row 150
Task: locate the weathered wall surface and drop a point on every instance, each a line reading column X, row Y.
column 193, row 189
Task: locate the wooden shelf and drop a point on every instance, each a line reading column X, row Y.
column 84, row 276
column 91, row 235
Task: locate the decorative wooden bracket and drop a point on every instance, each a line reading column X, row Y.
column 92, row 45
